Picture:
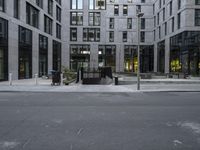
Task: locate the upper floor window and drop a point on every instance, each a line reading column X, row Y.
column 32, row 15
column 2, row 5
column 59, row 1
column 143, row 1
column 197, row 2
column 50, row 7
column 58, row 14
column 129, row 23
column 94, row 18
column 48, row 23
column 76, row 18
column 91, row 34
column 197, row 17
column 39, row 3
column 170, row 8
column 142, row 36
column 97, row 4
column 179, row 4
column 111, row 23
column 16, row 8
column 138, row 8
column 124, row 36
column 76, row 4
column 116, row 9
column 58, row 31
column 125, row 10
column 143, row 23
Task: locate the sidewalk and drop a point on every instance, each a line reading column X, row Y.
column 157, row 85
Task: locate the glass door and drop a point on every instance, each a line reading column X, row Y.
column 1, row 64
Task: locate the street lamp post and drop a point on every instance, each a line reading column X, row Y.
column 139, row 15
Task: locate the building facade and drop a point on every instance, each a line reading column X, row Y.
column 30, row 37
column 37, row 36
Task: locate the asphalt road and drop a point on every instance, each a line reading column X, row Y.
column 100, row 121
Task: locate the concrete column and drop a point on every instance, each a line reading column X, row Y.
column 155, row 57
column 35, row 54
column 94, row 56
column 119, row 58
column 167, row 55
column 13, row 49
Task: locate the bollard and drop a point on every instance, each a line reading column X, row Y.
column 36, row 79
column 61, row 79
column 10, row 79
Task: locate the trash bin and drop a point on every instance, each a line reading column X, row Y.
column 55, row 77
column 116, row 80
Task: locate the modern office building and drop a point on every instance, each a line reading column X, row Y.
column 30, row 37
column 37, row 36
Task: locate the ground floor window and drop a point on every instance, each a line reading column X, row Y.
column 56, row 56
column 185, row 53
column 3, row 49
column 130, row 58
column 146, row 58
column 25, row 53
column 107, row 56
column 161, row 57
column 43, row 55
column 79, row 56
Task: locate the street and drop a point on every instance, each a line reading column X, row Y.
column 100, row 121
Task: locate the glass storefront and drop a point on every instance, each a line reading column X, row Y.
column 56, row 56
column 25, row 53
column 185, row 53
column 79, row 56
column 43, row 55
column 161, row 57
column 146, row 58
column 107, row 56
column 3, row 49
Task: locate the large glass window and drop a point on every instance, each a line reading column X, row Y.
column 48, row 25
column 2, row 5
column 79, row 56
column 32, row 15
column 116, row 10
column 58, row 31
column 94, row 18
column 197, row 17
column 97, row 4
column 111, row 23
column 146, row 58
column 16, row 8
column 73, row 34
column 91, row 34
column 56, row 56
column 58, row 13
column 43, row 55
column 50, row 7
column 107, row 56
column 197, row 2
column 76, row 18
column 25, row 53
column 3, row 49
column 161, row 57
column 185, row 53
column 125, row 10
column 39, row 3
column 76, row 4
